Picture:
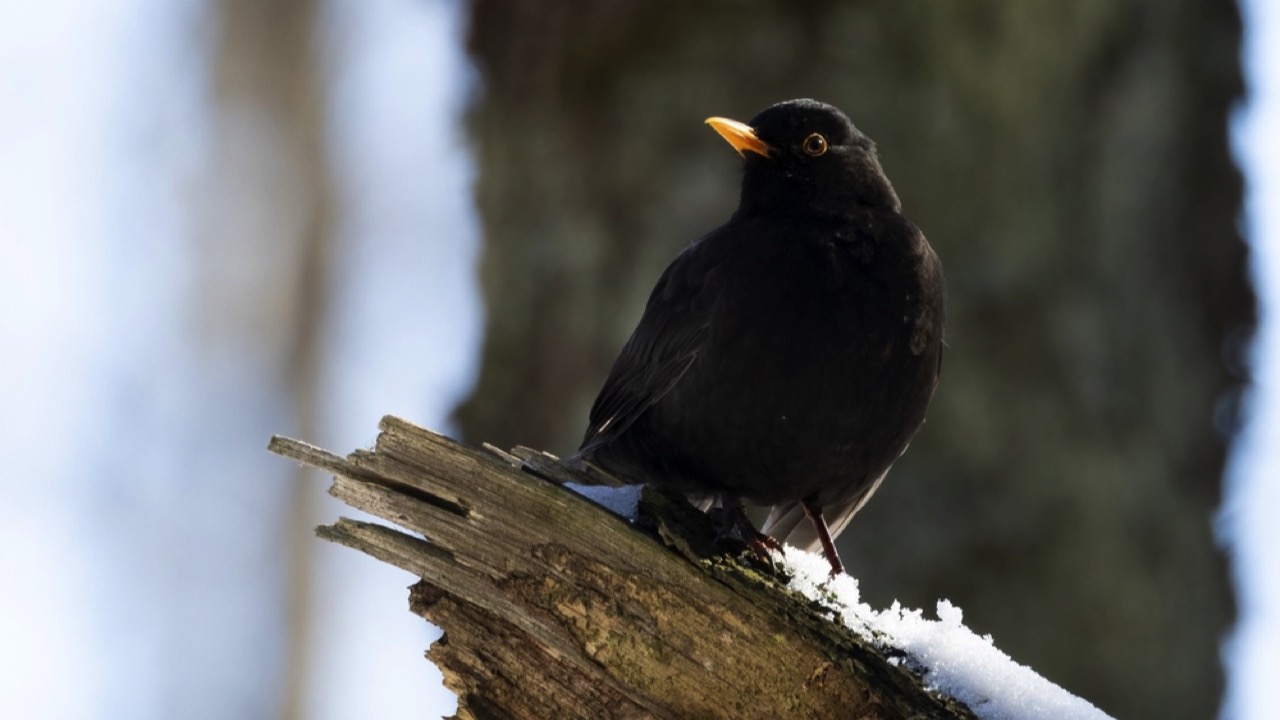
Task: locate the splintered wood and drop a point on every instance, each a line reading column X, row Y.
column 553, row 607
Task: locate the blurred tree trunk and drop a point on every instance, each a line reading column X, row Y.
column 1070, row 164
column 265, row 264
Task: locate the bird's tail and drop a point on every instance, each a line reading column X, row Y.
column 788, row 524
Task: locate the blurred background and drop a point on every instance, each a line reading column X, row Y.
column 224, row 219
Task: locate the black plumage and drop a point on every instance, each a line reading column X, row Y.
column 788, row 357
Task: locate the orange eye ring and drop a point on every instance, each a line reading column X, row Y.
column 814, row 145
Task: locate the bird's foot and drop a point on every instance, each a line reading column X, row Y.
column 732, row 519
column 762, row 544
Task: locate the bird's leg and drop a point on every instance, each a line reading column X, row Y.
column 814, row 511
column 733, row 516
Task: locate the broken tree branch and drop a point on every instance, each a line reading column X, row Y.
column 552, row 606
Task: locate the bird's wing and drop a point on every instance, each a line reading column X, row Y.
column 663, row 347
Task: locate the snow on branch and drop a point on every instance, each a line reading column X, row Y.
column 554, row 606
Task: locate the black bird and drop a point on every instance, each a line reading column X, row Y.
column 788, row 357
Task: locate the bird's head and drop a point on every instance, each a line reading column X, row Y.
column 806, row 157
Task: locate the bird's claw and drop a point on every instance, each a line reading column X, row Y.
column 733, row 520
column 762, row 544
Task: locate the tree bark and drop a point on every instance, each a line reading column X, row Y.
column 553, row 606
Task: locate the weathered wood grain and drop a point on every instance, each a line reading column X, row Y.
column 553, row 607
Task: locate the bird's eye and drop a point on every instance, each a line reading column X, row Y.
column 814, row 145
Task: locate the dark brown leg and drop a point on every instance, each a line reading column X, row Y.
column 824, row 535
column 735, row 518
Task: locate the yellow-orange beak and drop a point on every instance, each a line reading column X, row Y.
column 739, row 135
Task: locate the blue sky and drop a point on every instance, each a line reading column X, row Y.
column 1247, row 524
column 109, row 388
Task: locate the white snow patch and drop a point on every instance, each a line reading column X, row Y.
column 952, row 659
column 623, row 501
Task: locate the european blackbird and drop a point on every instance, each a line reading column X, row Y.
column 788, row 357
